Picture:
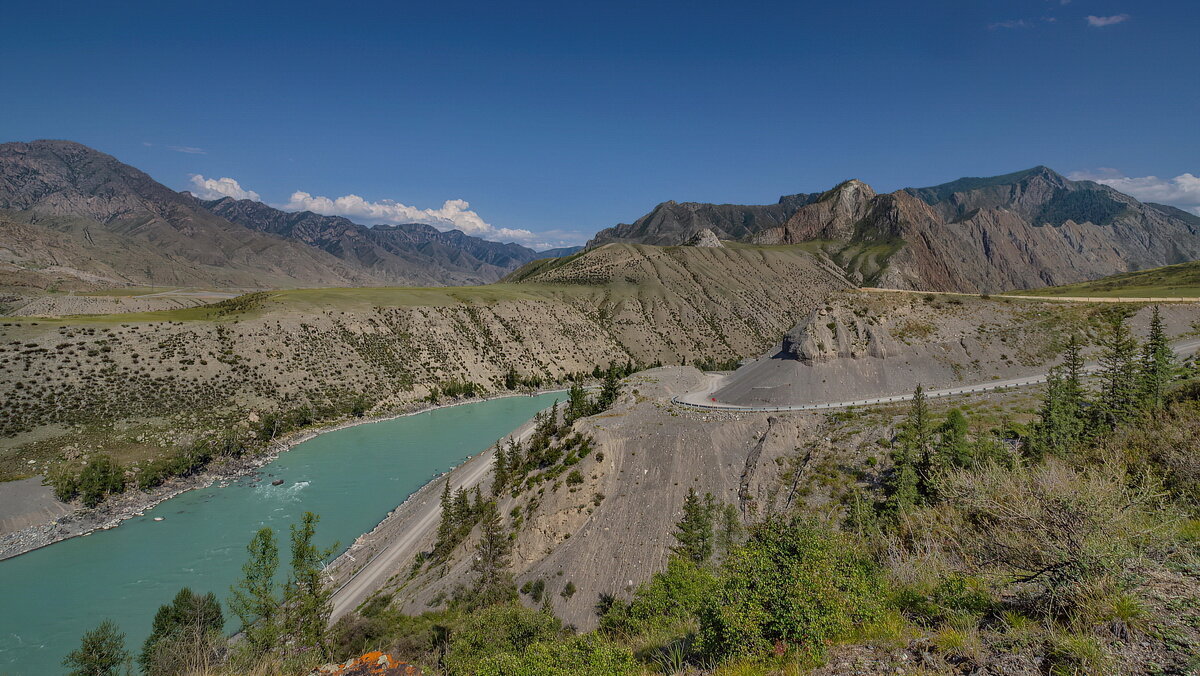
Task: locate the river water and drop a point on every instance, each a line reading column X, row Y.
column 351, row 477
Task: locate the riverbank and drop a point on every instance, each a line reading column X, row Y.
column 133, row 503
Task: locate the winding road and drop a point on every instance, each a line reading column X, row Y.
column 421, row 516
column 702, row 399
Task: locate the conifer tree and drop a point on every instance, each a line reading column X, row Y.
column 461, row 514
column 729, row 533
column 577, row 403
column 610, row 390
column 1072, row 373
column 953, row 448
column 445, row 531
column 694, row 532
column 499, row 471
column 308, row 603
column 1118, row 372
column 254, row 600
column 1060, row 425
column 1158, row 365
column 493, row 551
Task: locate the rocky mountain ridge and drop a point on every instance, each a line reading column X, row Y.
column 75, row 218
column 1022, row 230
column 410, row 253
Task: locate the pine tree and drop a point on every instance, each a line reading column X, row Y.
column 308, row 603
column 694, row 532
column 493, row 549
column 729, row 534
column 254, row 600
column 1158, row 365
column 577, row 403
column 953, row 448
column 1118, row 372
column 1072, row 369
column 916, row 441
column 101, row 652
column 499, row 471
column 610, row 390
column 445, row 531
column 903, row 488
column 461, row 514
column 1060, row 425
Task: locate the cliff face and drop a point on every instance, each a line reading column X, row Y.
column 1023, row 230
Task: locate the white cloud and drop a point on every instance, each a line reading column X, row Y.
column 1016, row 23
column 1102, row 21
column 1182, row 191
column 188, row 149
column 216, row 188
column 453, row 215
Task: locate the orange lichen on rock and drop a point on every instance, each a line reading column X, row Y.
column 370, row 664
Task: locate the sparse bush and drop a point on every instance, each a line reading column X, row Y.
column 794, row 584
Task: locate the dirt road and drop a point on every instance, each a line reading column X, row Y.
column 703, row 398
column 409, row 528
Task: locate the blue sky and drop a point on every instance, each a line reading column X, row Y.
column 555, row 119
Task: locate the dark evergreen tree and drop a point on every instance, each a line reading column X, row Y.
column 917, row 442
column 445, row 531
column 577, row 404
column 953, row 447
column 1072, row 373
column 729, row 530
column 1118, row 373
column 499, row 470
column 610, row 390
column 254, row 601
column 694, row 532
column 101, row 652
column 493, row 551
column 1060, row 425
column 1158, row 365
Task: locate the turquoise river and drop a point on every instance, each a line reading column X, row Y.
column 351, row 477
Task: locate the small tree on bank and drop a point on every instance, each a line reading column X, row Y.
column 694, row 532
column 254, row 601
column 101, row 652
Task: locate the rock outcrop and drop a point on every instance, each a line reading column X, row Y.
column 370, row 664
column 705, row 239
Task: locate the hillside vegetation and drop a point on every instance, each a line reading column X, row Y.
column 139, row 386
column 1171, row 281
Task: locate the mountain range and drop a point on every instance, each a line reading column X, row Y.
column 1027, row 229
column 74, row 217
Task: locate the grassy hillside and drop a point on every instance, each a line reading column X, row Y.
column 1172, row 281
column 141, row 385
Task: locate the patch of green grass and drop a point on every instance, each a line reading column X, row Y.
column 1172, row 281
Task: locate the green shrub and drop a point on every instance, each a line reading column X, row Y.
column 101, row 477
column 507, row 628
column 577, row 656
column 674, row 594
column 795, row 585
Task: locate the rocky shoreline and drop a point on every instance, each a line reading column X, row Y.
column 134, row 503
